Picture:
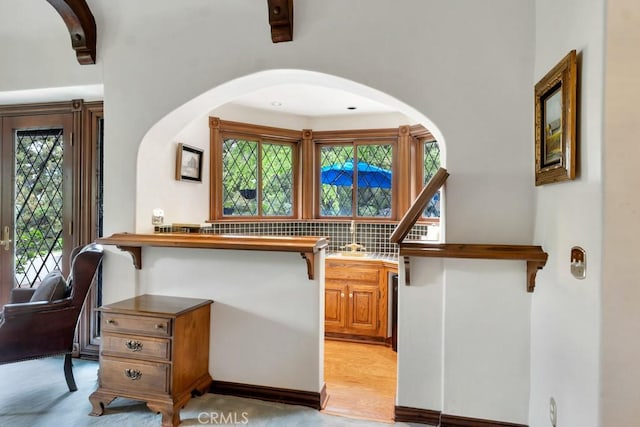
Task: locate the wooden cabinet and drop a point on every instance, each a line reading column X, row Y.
column 156, row 349
column 356, row 299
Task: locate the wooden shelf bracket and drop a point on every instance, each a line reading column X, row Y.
column 308, row 256
column 136, row 255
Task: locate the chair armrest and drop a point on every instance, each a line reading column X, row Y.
column 20, row 295
column 28, row 308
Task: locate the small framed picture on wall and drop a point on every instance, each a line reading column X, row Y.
column 189, row 163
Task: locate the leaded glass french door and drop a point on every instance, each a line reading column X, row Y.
column 36, row 198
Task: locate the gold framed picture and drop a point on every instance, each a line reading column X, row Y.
column 189, row 163
column 555, row 122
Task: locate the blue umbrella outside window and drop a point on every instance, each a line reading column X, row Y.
column 368, row 175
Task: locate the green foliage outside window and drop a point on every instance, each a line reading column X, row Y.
column 258, row 179
column 431, row 166
column 38, row 198
column 243, row 188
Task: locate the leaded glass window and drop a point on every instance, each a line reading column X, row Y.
column 431, row 165
column 257, row 178
column 39, row 204
column 356, row 180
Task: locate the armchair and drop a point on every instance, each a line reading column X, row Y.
column 35, row 329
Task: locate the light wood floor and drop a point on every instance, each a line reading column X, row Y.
column 360, row 379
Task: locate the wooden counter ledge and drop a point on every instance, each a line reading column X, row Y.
column 307, row 246
column 535, row 257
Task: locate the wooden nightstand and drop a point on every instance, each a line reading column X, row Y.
column 156, row 349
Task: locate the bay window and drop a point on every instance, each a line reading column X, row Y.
column 267, row 173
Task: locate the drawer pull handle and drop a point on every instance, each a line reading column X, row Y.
column 133, row 374
column 110, row 322
column 159, row 326
column 133, row 345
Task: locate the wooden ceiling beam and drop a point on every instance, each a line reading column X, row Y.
column 81, row 25
column 281, row 20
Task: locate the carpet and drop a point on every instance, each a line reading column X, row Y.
column 34, row 393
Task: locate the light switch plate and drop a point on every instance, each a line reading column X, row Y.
column 578, row 262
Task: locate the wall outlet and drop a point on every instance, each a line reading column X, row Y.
column 553, row 412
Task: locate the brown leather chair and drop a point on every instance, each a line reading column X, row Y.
column 30, row 330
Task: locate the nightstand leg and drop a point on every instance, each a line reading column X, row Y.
column 98, row 401
column 170, row 414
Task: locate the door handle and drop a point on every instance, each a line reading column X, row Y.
column 6, row 241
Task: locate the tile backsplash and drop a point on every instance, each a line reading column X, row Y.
column 373, row 236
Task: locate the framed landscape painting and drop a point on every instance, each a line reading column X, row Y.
column 555, row 122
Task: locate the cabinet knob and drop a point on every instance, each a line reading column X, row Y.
column 133, row 345
column 110, row 322
column 350, row 294
column 159, row 326
column 342, row 294
column 133, row 374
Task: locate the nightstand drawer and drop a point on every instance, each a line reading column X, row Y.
column 136, row 346
column 123, row 323
column 134, row 376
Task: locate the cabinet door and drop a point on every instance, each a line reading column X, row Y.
column 334, row 306
column 363, row 309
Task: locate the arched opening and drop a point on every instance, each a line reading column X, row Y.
column 234, row 99
column 155, row 159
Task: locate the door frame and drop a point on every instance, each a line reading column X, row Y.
column 81, row 228
column 88, row 331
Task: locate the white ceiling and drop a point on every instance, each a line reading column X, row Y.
column 309, row 100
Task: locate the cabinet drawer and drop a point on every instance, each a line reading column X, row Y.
column 136, row 324
column 134, row 376
column 354, row 273
column 136, row 346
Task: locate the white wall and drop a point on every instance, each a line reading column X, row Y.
column 257, row 335
column 465, row 65
column 620, row 291
column 420, row 334
column 486, row 340
column 36, row 49
column 565, row 315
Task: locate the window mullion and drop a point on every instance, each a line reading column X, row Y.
column 354, row 186
column 259, row 178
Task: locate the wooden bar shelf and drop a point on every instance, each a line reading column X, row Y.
column 133, row 243
column 535, row 257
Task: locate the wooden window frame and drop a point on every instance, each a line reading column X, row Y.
column 419, row 136
column 407, row 166
column 366, row 139
column 223, row 129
